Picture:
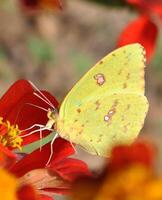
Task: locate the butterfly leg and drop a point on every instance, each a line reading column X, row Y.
column 41, row 128
column 31, row 127
column 40, row 142
column 51, row 147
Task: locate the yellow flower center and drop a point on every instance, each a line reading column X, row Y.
column 8, row 186
column 9, row 134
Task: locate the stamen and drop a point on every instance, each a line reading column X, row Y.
column 9, row 134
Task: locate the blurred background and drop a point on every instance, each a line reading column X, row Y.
column 54, row 49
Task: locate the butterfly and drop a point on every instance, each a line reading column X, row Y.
column 107, row 106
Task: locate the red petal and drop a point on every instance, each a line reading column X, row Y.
column 44, row 197
column 14, row 94
column 63, row 149
column 149, row 7
column 38, row 159
column 27, row 192
column 123, row 156
column 139, row 3
column 7, row 157
column 32, row 6
column 7, row 152
column 143, row 31
column 71, row 169
column 62, row 191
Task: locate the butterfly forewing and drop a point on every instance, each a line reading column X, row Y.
column 121, row 70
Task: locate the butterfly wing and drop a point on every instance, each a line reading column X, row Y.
column 119, row 74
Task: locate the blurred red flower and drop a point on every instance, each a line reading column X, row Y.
column 143, row 30
column 7, row 157
column 20, row 109
column 57, row 176
column 129, row 174
column 32, row 6
column 148, row 6
column 10, row 186
column 137, row 153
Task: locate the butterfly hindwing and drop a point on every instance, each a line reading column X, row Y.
column 105, row 121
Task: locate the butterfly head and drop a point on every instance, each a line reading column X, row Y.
column 52, row 115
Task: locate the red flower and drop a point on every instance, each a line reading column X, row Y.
column 149, row 6
column 129, row 174
column 136, row 153
column 32, row 6
column 143, row 30
column 10, row 186
column 27, row 192
column 19, row 110
column 58, row 175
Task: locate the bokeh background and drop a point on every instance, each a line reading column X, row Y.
column 54, row 49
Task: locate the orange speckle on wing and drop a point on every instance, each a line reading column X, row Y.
column 128, row 76
column 128, row 106
column 99, row 140
column 79, row 110
column 124, row 85
column 122, row 118
column 120, row 71
column 80, row 132
column 125, row 128
column 97, row 103
column 115, row 102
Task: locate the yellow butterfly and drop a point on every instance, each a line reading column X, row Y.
column 107, row 106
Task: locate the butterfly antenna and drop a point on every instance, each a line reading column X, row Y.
column 37, row 95
column 45, row 98
column 37, row 106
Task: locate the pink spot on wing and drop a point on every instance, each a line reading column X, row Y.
column 106, row 118
column 100, row 78
column 109, row 115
